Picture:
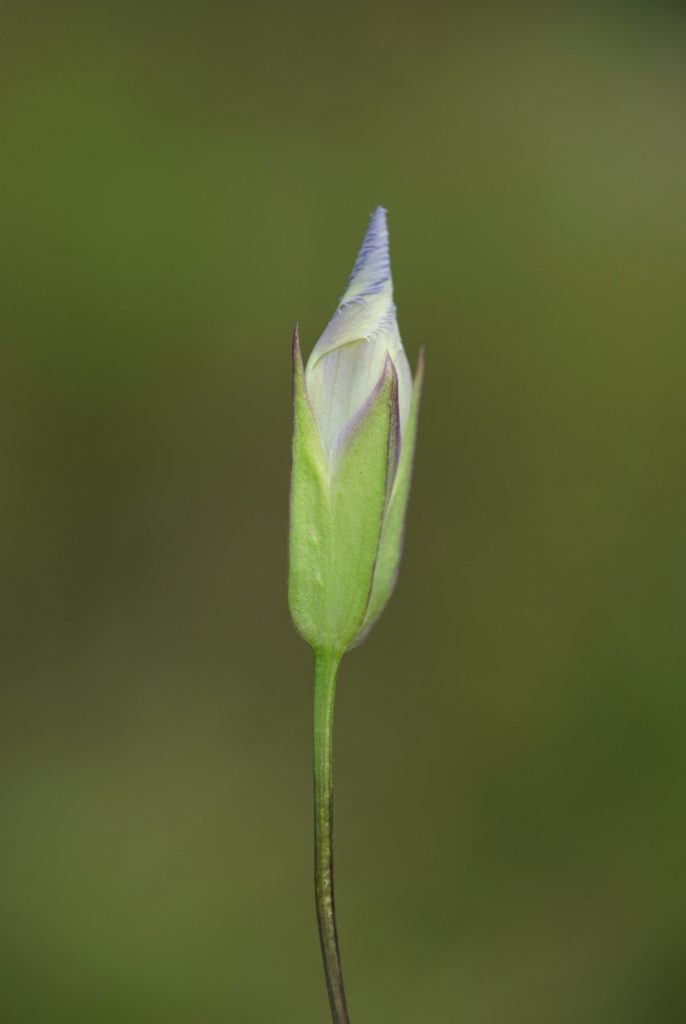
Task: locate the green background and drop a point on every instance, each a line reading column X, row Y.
column 179, row 184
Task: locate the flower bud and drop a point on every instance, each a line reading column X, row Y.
column 355, row 413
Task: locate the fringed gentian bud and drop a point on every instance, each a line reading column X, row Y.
column 355, row 409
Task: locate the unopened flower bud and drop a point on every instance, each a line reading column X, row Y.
column 355, row 412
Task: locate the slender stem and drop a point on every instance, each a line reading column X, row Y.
column 326, row 665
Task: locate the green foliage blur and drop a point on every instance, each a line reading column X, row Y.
column 179, row 184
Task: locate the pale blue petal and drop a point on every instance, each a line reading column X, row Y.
column 348, row 359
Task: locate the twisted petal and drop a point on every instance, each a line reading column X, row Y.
column 348, row 360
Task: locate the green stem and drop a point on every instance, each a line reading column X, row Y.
column 325, row 668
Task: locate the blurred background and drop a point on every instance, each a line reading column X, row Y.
column 179, row 183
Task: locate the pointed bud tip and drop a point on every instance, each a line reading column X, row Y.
column 297, row 359
column 376, row 235
column 380, row 216
column 421, row 361
column 373, row 264
column 389, row 370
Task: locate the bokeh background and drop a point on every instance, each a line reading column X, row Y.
column 179, row 183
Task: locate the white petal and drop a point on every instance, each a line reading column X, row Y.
column 348, row 359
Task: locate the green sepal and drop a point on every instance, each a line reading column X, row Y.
column 362, row 475
column 310, row 515
column 392, row 535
